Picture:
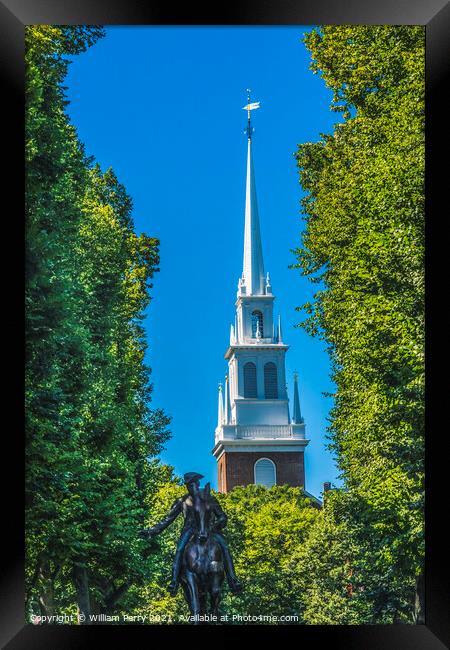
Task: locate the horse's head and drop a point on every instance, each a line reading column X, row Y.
column 203, row 510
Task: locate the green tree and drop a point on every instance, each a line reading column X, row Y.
column 89, row 426
column 265, row 528
column 324, row 564
column 364, row 243
column 151, row 597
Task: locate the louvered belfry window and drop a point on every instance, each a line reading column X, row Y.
column 265, row 472
column 257, row 317
column 250, row 379
column 270, row 381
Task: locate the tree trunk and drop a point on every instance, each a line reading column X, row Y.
column 396, row 619
column 46, row 595
column 81, row 583
column 114, row 598
column 109, row 595
column 419, row 605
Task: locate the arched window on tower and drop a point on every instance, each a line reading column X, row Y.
column 265, row 472
column 270, row 381
column 257, row 318
column 250, row 379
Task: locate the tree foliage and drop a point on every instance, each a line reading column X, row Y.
column 364, row 243
column 265, row 529
column 89, row 425
column 90, row 432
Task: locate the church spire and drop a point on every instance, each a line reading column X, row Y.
column 253, row 268
column 297, row 416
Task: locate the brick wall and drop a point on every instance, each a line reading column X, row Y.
column 221, row 469
column 237, row 468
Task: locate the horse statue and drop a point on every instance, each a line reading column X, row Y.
column 202, row 559
column 202, row 568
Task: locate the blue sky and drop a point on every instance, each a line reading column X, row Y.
column 162, row 106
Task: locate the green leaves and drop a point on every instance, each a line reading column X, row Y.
column 90, row 428
column 265, row 529
column 364, row 234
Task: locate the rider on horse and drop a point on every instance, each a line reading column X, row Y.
column 185, row 505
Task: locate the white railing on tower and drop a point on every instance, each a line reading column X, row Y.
column 267, row 431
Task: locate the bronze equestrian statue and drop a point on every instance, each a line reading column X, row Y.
column 202, row 553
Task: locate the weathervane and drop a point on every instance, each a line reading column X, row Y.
column 249, row 107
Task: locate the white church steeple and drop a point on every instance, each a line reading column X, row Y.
column 255, row 435
column 253, row 267
column 253, row 281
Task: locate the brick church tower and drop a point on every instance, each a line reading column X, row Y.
column 256, row 440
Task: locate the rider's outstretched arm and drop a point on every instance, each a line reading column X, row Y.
column 175, row 510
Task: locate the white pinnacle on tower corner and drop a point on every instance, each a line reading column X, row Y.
column 220, row 409
column 226, row 418
column 280, row 333
column 297, row 415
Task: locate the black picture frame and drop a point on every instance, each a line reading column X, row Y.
column 435, row 15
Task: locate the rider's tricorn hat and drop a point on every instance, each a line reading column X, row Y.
column 190, row 477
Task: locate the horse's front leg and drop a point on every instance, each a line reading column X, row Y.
column 203, row 601
column 215, row 591
column 194, row 601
